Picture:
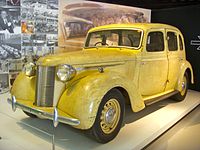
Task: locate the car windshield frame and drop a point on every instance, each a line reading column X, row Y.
column 88, row 38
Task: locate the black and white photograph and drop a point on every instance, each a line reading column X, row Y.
column 27, row 13
column 52, row 26
column 52, row 21
column 42, row 51
column 29, row 53
column 53, row 14
column 27, row 40
column 4, row 82
column 39, row 39
column 2, row 2
column 40, row 13
column 45, row 14
column 13, row 2
column 10, row 20
column 52, row 29
column 10, row 46
column 27, row 50
column 40, row 4
column 52, row 4
column 33, row 40
column 52, row 40
column 16, row 65
column 4, row 66
column 49, row 26
column 40, row 25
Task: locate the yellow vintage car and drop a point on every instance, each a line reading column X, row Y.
column 136, row 64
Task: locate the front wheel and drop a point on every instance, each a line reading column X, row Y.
column 180, row 96
column 109, row 117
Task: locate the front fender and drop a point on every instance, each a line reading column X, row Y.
column 82, row 97
column 184, row 67
column 24, row 87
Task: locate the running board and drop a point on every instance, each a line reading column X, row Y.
column 154, row 100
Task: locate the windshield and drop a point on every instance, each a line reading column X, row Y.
column 114, row 38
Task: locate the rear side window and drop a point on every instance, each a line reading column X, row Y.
column 180, row 43
column 155, row 42
column 172, row 41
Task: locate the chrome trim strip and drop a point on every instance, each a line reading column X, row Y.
column 69, row 121
column 95, row 66
column 163, row 97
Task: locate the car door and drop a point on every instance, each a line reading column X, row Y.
column 174, row 56
column 154, row 64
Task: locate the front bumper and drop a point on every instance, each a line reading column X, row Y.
column 48, row 113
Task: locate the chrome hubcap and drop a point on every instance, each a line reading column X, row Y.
column 183, row 86
column 110, row 116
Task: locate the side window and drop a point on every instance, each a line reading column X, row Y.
column 126, row 41
column 180, row 43
column 172, row 41
column 112, row 39
column 131, row 38
column 155, row 42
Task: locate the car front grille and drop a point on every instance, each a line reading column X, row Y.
column 45, row 79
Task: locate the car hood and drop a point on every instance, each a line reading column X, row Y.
column 89, row 57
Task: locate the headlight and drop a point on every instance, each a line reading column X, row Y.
column 66, row 72
column 30, row 69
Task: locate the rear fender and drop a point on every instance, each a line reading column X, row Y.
column 184, row 67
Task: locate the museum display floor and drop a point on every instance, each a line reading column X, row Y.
column 185, row 135
column 19, row 132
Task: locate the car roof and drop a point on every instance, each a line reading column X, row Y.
column 143, row 26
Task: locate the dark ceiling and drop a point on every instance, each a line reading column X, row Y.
column 153, row 4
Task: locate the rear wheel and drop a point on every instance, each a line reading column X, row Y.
column 184, row 84
column 109, row 117
column 30, row 115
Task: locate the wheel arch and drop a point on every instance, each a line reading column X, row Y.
column 134, row 99
column 125, row 94
column 190, row 75
column 185, row 67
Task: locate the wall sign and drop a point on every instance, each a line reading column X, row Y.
column 196, row 43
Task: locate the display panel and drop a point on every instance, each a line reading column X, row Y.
column 76, row 18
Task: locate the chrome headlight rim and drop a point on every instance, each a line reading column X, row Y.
column 30, row 69
column 65, row 72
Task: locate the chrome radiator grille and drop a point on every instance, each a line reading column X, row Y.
column 45, row 79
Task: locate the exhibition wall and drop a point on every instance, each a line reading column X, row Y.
column 187, row 20
column 33, row 28
column 28, row 28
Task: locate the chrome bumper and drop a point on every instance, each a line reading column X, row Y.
column 55, row 117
